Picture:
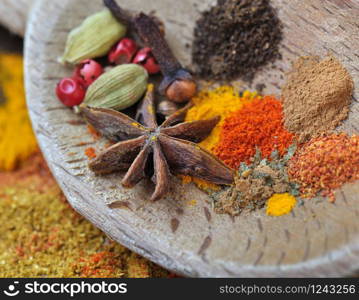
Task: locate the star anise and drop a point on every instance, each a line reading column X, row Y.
column 172, row 145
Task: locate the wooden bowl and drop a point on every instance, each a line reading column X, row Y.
column 13, row 14
column 181, row 232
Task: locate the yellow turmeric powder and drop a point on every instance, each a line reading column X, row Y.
column 42, row 236
column 138, row 267
column 221, row 101
column 202, row 184
column 280, row 204
column 17, row 141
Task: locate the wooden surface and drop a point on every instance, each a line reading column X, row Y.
column 316, row 239
column 13, row 14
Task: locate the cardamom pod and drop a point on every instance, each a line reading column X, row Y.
column 119, row 88
column 93, row 38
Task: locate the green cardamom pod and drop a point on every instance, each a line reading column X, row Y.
column 93, row 38
column 119, row 88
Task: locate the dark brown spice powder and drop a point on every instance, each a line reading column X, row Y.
column 235, row 38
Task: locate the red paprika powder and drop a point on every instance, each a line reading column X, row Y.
column 325, row 163
column 256, row 124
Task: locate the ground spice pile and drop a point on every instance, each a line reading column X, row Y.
column 316, row 96
column 42, row 236
column 256, row 124
column 326, row 163
column 235, row 38
column 221, row 101
column 280, row 204
column 256, row 183
column 14, row 120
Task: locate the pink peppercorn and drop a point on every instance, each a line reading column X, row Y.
column 145, row 58
column 123, row 52
column 70, row 91
column 88, row 71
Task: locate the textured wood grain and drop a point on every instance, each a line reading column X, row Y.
column 316, row 239
column 13, row 14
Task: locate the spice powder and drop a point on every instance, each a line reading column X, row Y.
column 326, row 163
column 221, row 102
column 317, row 96
column 235, row 38
column 13, row 115
column 256, row 124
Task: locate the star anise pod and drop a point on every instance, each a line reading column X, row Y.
column 172, row 145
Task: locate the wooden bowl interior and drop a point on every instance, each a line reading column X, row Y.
column 181, row 232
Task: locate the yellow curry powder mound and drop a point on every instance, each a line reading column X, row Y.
column 17, row 141
column 280, row 204
column 42, row 236
column 221, row 101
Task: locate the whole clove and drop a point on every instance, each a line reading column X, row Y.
column 178, row 84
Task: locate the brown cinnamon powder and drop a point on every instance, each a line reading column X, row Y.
column 317, row 96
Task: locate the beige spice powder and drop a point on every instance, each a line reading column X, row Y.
column 316, row 96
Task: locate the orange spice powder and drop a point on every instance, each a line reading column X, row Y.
column 94, row 133
column 90, row 152
column 325, row 163
column 256, row 124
